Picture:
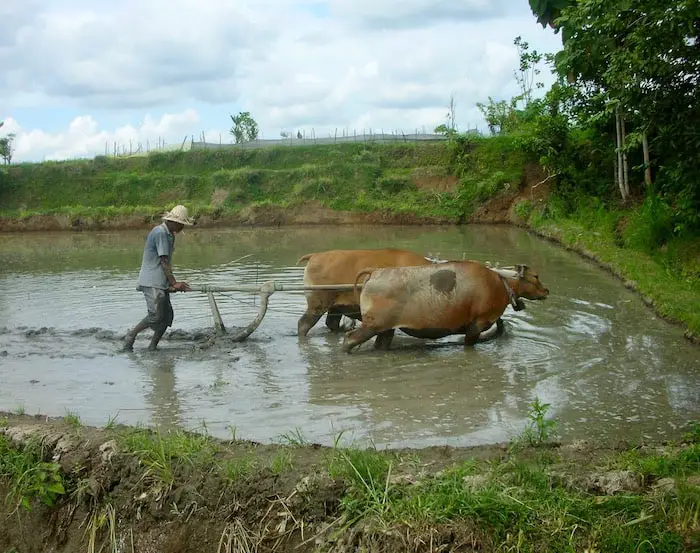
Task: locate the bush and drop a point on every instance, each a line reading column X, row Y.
column 523, row 209
column 650, row 226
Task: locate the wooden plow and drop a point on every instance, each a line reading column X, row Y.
column 265, row 291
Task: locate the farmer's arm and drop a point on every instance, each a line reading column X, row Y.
column 168, row 270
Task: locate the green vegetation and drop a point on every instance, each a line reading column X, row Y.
column 539, row 430
column 168, row 454
column 30, row 477
column 244, row 128
column 363, row 177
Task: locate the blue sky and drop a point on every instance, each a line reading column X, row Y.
column 89, row 74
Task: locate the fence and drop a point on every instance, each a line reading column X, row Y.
column 304, row 140
column 134, row 148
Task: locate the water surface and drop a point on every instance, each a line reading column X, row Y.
column 607, row 365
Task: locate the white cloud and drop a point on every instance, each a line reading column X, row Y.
column 85, row 138
column 295, row 64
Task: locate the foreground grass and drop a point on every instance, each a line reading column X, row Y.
column 531, row 499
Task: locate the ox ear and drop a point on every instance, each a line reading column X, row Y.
column 521, row 270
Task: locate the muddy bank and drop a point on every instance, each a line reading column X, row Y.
column 127, row 489
column 309, row 213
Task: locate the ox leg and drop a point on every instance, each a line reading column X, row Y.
column 333, row 319
column 485, row 336
column 471, row 336
column 307, row 321
column 384, row 339
column 356, row 337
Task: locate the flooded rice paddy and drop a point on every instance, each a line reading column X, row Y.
column 607, row 365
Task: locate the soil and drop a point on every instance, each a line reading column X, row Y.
column 309, row 213
column 296, row 509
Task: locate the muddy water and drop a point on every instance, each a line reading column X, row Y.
column 608, row 366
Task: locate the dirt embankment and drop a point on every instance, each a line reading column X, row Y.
column 309, row 213
column 134, row 491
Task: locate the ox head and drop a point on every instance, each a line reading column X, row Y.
column 529, row 285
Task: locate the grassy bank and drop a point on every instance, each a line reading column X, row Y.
column 135, row 489
column 666, row 274
column 416, row 178
column 474, row 180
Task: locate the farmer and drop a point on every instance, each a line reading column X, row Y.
column 156, row 279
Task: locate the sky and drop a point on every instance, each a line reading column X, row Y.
column 78, row 75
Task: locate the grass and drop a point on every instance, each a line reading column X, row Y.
column 73, row 419
column 282, row 462
column 232, row 470
column 669, row 274
column 518, row 505
column 360, row 177
column 167, row 455
column 294, row 438
column 30, row 477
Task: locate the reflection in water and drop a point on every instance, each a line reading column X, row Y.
column 592, row 350
column 162, row 397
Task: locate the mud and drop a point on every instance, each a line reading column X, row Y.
column 114, row 500
column 309, row 213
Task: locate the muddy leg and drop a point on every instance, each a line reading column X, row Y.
column 384, row 339
column 307, row 322
column 333, row 320
column 130, row 337
column 472, row 335
column 356, row 337
column 157, row 335
column 485, row 336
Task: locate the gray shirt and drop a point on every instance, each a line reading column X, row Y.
column 160, row 241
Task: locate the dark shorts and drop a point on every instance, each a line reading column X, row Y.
column 160, row 311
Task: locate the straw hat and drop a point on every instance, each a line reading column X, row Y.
column 178, row 214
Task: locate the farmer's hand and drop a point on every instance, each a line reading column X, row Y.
column 181, row 287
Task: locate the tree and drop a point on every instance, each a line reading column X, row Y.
column 244, row 128
column 547, row 11
column 7, row 148
column 637, row 62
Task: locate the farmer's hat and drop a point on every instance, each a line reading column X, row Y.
column 178, row 214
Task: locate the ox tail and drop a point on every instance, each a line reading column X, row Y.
column 492, row 333
column 356, row 289
column 304, row 258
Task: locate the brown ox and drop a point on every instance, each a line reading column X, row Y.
column 460, row 297
column 341, row 267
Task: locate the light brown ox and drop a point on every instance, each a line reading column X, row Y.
column 341, row 267
column 459, row 297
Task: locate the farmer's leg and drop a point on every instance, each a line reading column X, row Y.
column 149, row 295
column 164, row 318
